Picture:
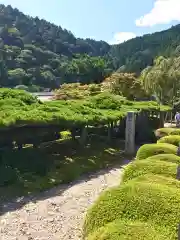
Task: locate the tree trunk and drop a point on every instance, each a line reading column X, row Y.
column 83, row 137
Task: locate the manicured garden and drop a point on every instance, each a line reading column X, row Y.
column 43, row 144
column 146, row 204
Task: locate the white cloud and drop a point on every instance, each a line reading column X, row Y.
column 121, row 37
column 163, row 12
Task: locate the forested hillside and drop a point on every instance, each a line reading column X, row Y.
column 37, row 53
column 136, row 54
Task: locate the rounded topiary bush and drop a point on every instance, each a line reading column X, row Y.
column 175, row 132
column 139, row 168
column 149, row 150
column 146, row 202
column 162, row 132
column 158, row 179
column 165, row 157
column 121, row 230
column 172, row 139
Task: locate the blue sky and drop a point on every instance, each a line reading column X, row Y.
column 111, row 20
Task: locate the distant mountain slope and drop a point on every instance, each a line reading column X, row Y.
column 35, row 53
column 136, row 54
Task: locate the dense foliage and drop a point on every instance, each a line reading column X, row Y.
column 148, row 194
column 38, row 54
column 124, row 229
column 102, row 108
column 140, row 168
column 165, row 157
column 149, row 150
column 172, row 139
column 140, row 52
column 162, row 80
column 127, row 85
column 155, row 204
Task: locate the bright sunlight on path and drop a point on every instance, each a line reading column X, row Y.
column 59, row 213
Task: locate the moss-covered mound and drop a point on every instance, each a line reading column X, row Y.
column 152, row 203
column 129, row 230
column 149, row 150
column 165, row 157
column 158, row 179
column 139, row 168
column 172, row 139
column 161, row 132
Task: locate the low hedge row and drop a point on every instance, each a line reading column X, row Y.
column 156, row 204
column 171, row 139
column 124, row 229
column 149, row 150
column 146, row 205
column 162, row 132
column 165, row 157
column 158, row 179
column 140, row 168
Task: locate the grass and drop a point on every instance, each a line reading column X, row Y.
column 140, row 168
column 126, row 230
column 156, row 204
column 148, row 150
column 32, row 170
column 172, row 139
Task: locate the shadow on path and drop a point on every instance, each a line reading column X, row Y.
column 18, row 203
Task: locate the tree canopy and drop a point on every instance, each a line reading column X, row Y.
column 35, row 52
column 162, row 79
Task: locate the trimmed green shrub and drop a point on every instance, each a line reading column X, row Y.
column 149, row 150
column 139, row 168
column 121, row 230
column 172, row 139
column 146, row 202
column 162, row 132
column 175, row 132
column 158, row 179
column 165, row 157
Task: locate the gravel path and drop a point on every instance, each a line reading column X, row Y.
column 57, row 214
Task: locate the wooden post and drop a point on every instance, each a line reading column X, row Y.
column 130, row 134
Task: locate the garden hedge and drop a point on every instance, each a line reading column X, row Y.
column 134, row 230
column 139, row 168
column 172, row 139
column 155, row 204
column 162, row 132
column 149, row 150
column 165, row 157
column 158, row 179
column 175, row 132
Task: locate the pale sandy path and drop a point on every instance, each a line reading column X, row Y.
column 59, row 213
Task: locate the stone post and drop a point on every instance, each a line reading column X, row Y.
column 130, row 133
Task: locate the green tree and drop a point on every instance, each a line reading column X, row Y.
column 162, row 79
